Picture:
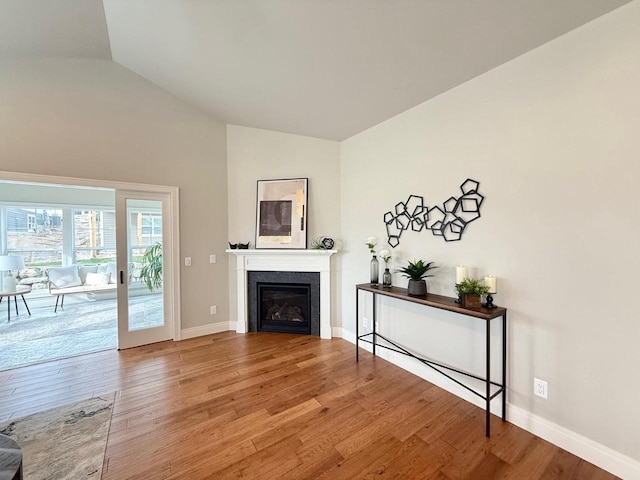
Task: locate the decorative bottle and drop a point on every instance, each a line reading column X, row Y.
column 386, row 278
column 374, row 270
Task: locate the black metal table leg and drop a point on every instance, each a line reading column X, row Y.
column 25, row 305
column 15, row 301
column 504, row 367
column 488, row 381
column 374, row 324
column 357, row 322
column 9, row 307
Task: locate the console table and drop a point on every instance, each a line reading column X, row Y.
column 443, row 303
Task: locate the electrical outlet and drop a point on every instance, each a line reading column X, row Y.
column 377, row 326
column 212, row 259
column 213, row 309
column 365, row 322
column 540, row 388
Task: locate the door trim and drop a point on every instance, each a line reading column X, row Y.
column 174, row 211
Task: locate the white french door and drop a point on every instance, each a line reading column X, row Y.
column 144, row 227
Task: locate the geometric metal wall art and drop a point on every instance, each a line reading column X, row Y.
column 448, row 221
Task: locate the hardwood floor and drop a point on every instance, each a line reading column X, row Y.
column 273, row 406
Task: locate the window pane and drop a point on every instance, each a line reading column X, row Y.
column 94, row 236
column 36, row 234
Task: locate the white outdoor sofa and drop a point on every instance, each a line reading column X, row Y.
column 82, row 279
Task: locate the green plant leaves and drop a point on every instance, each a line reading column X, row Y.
column 151, row 272
column 417, row 270
column 471, row 286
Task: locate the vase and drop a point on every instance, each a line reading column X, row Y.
column 417, row 288
column 386, row 278
column 374, row 270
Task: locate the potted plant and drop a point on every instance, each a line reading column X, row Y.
column 470, row 290
column 151, row 272
column 416, row 272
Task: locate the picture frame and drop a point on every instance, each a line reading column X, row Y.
column 281, row 213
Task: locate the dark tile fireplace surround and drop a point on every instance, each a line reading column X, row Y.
column 284, row 308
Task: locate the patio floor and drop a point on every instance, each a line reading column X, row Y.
column 81, row 327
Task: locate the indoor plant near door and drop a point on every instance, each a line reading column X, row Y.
column 151, row 273
column 470, row 290
column 416, row 272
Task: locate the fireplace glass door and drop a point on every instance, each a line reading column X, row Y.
column 284, row 307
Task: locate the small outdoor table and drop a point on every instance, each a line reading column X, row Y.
column 21, row 291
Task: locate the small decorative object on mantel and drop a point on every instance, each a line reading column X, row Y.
column 242, row 246
column 492, row 283
column 448, row 221
column 323, row 243
column 416, row 272
column 470, row 290
column 386, row 275
column 374, row 266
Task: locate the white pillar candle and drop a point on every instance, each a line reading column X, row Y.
column 461, row 273
column 492, row 283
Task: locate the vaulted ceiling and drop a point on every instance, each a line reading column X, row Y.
column 322, row 68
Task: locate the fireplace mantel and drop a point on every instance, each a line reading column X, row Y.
column 248, row 260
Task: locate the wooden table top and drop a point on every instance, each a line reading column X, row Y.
column 435, row 301
column 20, row 290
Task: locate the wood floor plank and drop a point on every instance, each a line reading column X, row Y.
column 371, row 462
column 274, row 406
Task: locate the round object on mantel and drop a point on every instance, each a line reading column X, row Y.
column 327, row 243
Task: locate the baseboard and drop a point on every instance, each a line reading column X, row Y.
column 336, row 332
column 583, row 447
column 207, row 329
column 600, row 455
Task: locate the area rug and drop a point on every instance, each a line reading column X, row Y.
column 64, row 443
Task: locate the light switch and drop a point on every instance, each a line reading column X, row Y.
column 187, row 261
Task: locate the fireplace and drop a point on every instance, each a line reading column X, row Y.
column 250, row 262
column 287, row 302
column 284, row 307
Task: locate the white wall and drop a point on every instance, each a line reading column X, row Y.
column 254, row 154
column 553, row 138
column 94, row 119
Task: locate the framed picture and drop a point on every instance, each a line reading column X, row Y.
column 281, row 213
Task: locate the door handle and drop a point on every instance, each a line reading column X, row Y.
column 121, row 277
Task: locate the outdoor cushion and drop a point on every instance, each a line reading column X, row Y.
column 97, row 279
column 84, row 269
column 110, row 269
column 62, row 277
